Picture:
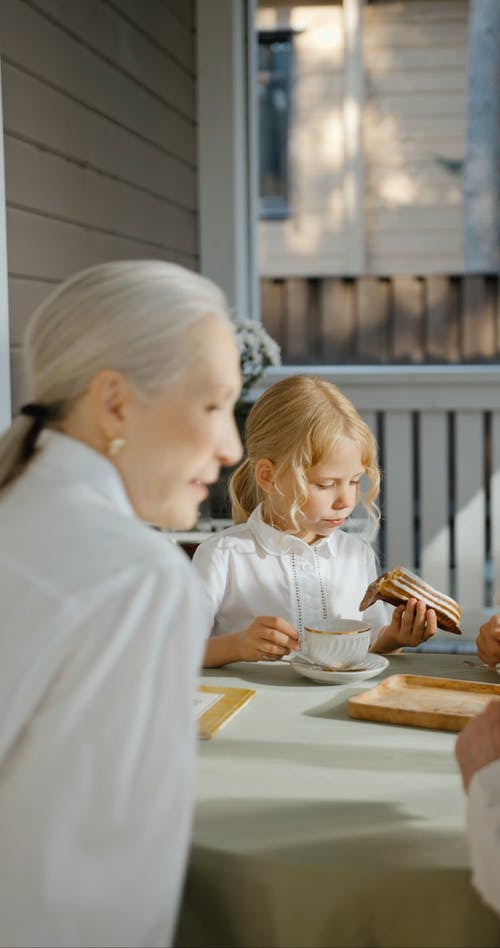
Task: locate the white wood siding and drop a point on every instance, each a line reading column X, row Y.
column 100, row 141
column 413, row 132
column 415, row 62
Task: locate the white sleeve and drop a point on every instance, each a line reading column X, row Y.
column 483, row 826
column 100, row 859
column 211, row 564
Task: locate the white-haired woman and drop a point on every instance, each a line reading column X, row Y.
column 133, row 374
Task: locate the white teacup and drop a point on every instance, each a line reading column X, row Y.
column 340, row 644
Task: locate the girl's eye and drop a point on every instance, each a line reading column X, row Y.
column 210, row 408
column 335, row 484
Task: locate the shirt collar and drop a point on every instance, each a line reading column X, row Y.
column 276, row 542
column 73, row 460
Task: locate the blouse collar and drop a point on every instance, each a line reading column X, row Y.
column 76, row 461
column 276, row 542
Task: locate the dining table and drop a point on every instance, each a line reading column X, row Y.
column 313, row 829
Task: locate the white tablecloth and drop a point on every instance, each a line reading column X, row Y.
column 313, row 829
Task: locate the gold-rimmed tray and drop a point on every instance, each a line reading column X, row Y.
column 443, row 703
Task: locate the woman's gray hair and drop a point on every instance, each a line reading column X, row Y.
column 131, row 316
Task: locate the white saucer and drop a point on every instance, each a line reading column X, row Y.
column 372, row 665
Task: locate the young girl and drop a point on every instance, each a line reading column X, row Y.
column 287, row 562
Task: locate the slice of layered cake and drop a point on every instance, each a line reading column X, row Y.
column 401, row 584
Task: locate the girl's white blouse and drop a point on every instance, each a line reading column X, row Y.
column 253, row 569
column 100, row 644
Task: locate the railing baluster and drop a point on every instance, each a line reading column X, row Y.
column 399, row 492
column 495, row 507
column 434, row 500
column 470, row 509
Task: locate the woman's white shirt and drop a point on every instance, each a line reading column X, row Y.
column 483, row 826
column 100, row 644
column 253, row 569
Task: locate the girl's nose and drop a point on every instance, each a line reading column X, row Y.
column 341, row 501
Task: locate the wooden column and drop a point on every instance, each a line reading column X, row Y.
column 227, row 153
column 5, row 404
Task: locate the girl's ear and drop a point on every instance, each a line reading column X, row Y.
column 264, row 474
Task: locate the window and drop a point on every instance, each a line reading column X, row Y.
column 275, row 61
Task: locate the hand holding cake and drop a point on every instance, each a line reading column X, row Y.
column 420, row 609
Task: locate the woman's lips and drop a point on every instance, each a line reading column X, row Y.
column 200, row 488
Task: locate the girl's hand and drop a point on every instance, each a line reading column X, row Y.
column 488, row 641
column 411, row 624
column 267, row 638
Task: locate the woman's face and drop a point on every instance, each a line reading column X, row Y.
column 175, row 446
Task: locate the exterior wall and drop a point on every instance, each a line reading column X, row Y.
column 100, row 132
column 413, row 111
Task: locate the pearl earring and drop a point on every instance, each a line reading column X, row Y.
column 115, row 445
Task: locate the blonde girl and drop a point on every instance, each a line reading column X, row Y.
column 287, row 562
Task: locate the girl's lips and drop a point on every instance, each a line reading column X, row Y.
column 335, row 523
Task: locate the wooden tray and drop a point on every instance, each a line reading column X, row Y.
column 227, row 701
column 445, row 703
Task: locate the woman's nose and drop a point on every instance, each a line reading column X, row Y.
column 231, row 449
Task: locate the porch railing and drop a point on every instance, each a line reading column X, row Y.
column 384, row 320
column 438, row 431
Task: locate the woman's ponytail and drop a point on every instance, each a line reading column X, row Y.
column 17, row 446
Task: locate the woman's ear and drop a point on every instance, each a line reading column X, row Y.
column 264, row 475
column 109, row 396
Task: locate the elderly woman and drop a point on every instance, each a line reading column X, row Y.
column 133, row 374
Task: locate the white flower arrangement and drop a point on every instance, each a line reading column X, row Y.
column 258, row 350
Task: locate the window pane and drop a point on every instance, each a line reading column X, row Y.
column 274, row 105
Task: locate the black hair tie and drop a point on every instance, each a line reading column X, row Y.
column 35, row 410
column 40, row 414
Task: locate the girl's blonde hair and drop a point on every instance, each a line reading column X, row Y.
column 294, row 424
column 131, row 316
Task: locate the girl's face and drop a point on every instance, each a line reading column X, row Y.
column 176, row 445
column 332, row 495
